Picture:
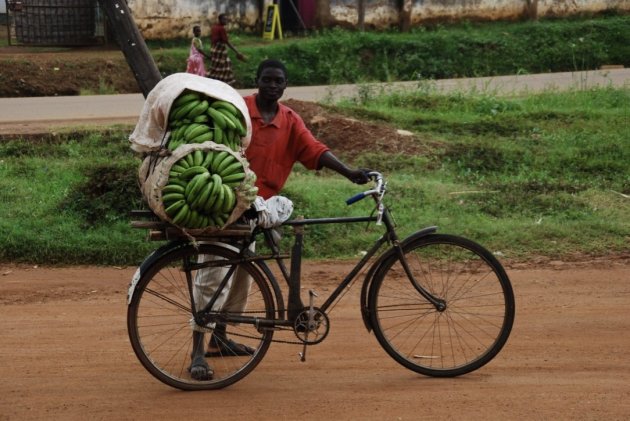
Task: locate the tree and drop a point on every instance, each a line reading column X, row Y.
column 532, row 9
column 322, row 14
column 404, row 14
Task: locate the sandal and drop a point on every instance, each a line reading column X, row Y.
column 200, row 370
column 223, row 347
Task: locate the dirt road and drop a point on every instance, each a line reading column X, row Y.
column 42, row 114
column 65, row 355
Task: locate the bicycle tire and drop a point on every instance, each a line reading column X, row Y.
column 159, row 321
column 479, row 312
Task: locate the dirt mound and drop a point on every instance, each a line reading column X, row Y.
column 27, row 73
column 349, row 137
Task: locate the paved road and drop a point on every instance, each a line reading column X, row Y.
column 31, row 115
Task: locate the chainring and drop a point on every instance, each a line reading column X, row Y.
column 313, row 330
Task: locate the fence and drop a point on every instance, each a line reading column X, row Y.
column 55, row 22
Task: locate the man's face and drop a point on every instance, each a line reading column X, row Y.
column 271, row 84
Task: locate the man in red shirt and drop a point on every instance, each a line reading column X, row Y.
column 220, row 63
column 279, row 140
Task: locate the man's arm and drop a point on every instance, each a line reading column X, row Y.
column 358, row 176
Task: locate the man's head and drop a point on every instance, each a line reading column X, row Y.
column 223, row 19
column 270, row 63
column 271, row 79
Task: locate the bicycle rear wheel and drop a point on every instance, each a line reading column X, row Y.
column 479, row 306
column 160, row 320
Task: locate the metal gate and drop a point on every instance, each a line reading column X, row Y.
column 55, row 22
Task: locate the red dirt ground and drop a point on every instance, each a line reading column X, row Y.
column 65, row 355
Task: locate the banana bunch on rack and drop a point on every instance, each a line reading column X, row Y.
column 200, row 191
column 197, row 118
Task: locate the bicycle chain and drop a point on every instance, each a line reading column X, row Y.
column 283, row 329
column 280, row 341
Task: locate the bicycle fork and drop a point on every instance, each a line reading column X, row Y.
column 439, row 303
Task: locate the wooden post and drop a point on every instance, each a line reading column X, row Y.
column 132, row 44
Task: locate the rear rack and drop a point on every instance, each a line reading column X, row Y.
column 163, row 231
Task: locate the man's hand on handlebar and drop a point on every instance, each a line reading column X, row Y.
column 360, row 176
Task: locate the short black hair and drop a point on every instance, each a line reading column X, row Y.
column 270, row 63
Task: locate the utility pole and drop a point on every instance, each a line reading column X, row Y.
column 132, row 44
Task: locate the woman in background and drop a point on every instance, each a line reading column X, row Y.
column 220, row 63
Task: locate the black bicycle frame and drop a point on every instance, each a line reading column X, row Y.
column 293, row 277
column 294, row 281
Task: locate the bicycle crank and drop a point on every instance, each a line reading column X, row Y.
column 311, row 326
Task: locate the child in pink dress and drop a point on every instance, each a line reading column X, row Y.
column 194, row 63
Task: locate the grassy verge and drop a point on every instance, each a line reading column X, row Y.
column 63, row 201
column 537, row 175
column 543, row 174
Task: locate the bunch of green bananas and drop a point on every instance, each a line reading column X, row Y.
column 200, row 189
column 196, row 118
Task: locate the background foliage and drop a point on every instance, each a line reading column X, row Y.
column 436, row 52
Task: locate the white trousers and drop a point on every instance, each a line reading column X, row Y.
column 232, row 298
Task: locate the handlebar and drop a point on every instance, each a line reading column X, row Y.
column 355, row 198
column 377, row 192
column 379, row 188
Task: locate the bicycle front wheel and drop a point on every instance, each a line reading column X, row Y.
column 479, row 306
column 160, row 319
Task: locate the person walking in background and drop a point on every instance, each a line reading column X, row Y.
column 220, row 63
column 194, row 63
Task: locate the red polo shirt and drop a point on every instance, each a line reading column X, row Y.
column 276, row 146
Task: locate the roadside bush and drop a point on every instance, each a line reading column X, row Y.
column 107, row 193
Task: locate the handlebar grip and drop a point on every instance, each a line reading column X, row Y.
column 355, row 198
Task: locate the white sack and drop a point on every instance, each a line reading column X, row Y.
column 150, row 131
column 273, row 211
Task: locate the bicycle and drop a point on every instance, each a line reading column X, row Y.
column 440, row 305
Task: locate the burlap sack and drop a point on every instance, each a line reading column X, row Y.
column 150, row 132
column 150, row 135
column 154, row 175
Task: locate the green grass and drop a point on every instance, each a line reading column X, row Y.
column 544, row 172
column 103, row 89
column 43, row 193
column 529, row 176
